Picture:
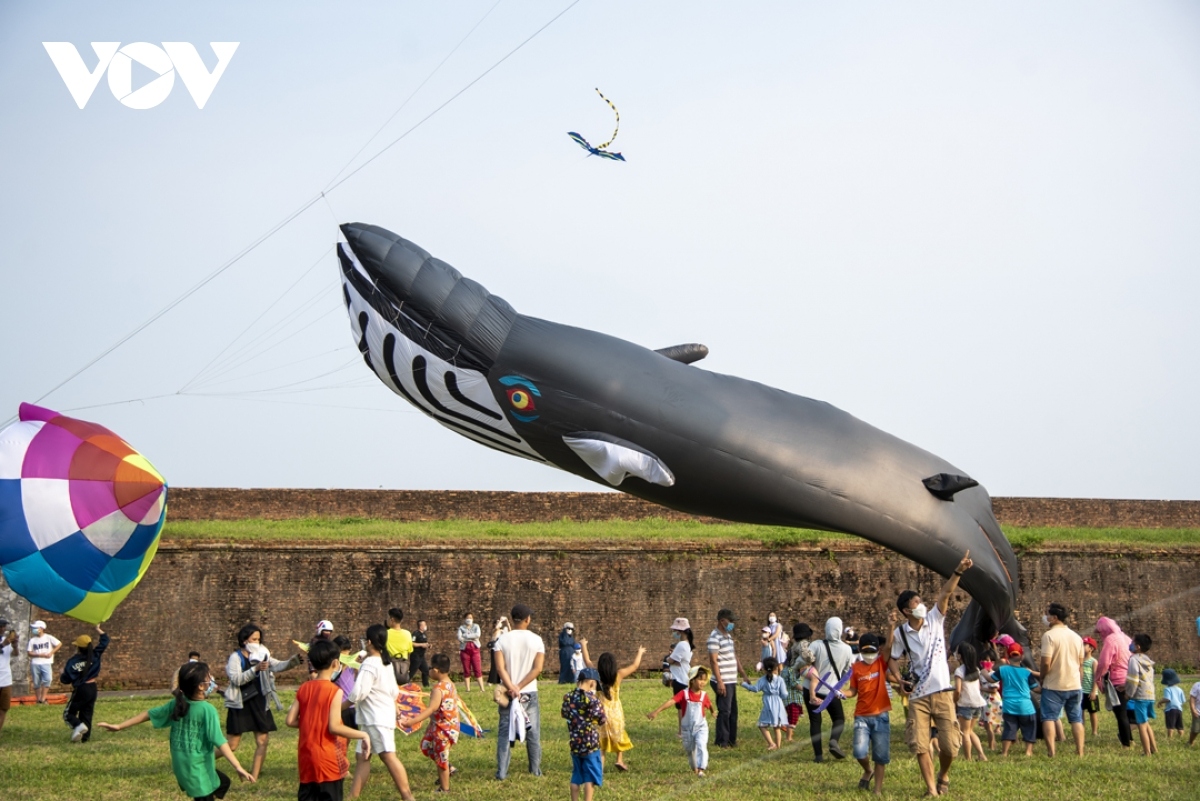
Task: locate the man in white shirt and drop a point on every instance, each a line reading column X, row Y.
column 520, row 655
column 42, row 648
column 921, row 640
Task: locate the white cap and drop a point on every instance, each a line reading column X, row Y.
column 38, row 624
column 569, row 625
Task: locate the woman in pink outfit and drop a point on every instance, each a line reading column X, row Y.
column 1113, row 659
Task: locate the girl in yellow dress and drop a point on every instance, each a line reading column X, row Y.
column 613, row 737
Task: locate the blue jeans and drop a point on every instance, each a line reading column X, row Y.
column 874, row 731
column 40, row 675
column 533, row 737
column 1055, row 701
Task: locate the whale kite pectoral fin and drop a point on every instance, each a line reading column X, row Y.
column 945, row 485
column 614, row 458
column 691, row 352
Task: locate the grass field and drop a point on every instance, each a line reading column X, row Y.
column 365, row 531
column 39, row 763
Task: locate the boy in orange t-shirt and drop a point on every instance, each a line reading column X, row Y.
column 317, row 713
column 868, row 681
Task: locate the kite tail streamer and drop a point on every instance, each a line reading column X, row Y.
column 613, row 138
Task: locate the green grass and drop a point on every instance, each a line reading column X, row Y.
column 653, row 530
column 39, row 763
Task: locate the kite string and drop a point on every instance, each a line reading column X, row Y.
column 286, row 221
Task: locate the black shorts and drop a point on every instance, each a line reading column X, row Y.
column 1090, row 704
column 320, row 791
column 1174, row 720
column 222, row 789
column 1026, row 723
column 252, row 717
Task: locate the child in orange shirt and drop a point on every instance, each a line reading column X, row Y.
column 442, row 714
column 868, row 681
column 317, row 713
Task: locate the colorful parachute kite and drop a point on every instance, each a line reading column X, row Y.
column 600, row 150
column 80, row 514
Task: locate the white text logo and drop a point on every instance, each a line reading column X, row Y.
column 172, row 57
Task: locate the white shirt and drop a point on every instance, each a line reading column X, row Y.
column 926, row 653
column 681, row 653
column 6, row 666
column 970, row 695
column 40, row 648
column 374, row 694
column 520, row 648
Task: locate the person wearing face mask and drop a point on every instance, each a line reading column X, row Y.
column 831, row 660
column 1062, row 677
column 468, row 652
column 872, row 729
column 251, row 670
column 679, row 661
column 726, row 668
column 921, row 641
column 566, row 653
column 774, row 631
column 1111, row 667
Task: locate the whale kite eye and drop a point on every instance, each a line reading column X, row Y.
column 521, row 394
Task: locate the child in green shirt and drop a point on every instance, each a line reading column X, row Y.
column 195, row 733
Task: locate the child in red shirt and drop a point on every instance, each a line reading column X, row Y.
column 868, row 680
column 693, row 725
column 317, row 713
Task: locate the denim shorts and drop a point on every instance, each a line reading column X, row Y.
column 874, row 731
column 40, row 674
column 1055, row 701
column 1026, row 723
column 970, row 712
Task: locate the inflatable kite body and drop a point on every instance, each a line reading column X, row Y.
column 650, row 424
column 80, row 514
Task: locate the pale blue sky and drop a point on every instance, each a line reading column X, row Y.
column 972, row 225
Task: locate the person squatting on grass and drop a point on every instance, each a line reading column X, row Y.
column 693, row 725
column 317, row 713
column 921, row 641
column 442, row 714
column 584, row 715
column 772, row 721
column 1139, row 689
column 872, row 726
column 195, row 735
column 374, row 698
column 81, row 672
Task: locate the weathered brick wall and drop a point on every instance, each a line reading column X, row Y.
column 519, row 507
column 197, row 596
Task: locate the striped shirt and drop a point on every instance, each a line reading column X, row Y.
column 722, row 645
column 1089, row 675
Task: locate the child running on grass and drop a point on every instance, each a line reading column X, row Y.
column 584, row 714
column 693, row 724
column 773, row 720
column 1139, row 689
column 317, row 713
column 442, row 714
column 1016, row 683
column 872, row 726
column 374, row 698
column 195, row 735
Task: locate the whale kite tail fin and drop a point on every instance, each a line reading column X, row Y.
column 976, row 627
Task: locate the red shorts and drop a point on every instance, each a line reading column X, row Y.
column 436, row 745
column 471, row 663
column 794, row 711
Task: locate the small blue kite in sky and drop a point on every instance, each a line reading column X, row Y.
column 600, row 149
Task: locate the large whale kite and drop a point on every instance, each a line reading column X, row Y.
column 651, row 424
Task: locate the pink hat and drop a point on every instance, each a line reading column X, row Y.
column 681, row 624
column 1004, row 640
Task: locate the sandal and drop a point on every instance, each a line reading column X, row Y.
column 943, row 785
column 864, row 784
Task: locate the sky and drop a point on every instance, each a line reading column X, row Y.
column 970, row 225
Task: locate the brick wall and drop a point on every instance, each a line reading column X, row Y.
column 197, row 596
column 520, row 507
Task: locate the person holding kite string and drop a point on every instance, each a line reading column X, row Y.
column 920, row 641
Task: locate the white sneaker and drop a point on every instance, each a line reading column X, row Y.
column 78, row 732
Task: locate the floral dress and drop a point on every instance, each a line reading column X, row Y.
column 613, row 737
column 443, row 727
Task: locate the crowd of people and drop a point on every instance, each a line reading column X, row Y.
column 995, row 688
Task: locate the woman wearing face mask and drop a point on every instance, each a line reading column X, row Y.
column 468, row 652
column 195, row 734
column 566, row 650
column 1112, row 665
column 251, row 670
column 679, row 661
column 774, row 632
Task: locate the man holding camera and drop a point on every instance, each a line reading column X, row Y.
column 921, row 640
